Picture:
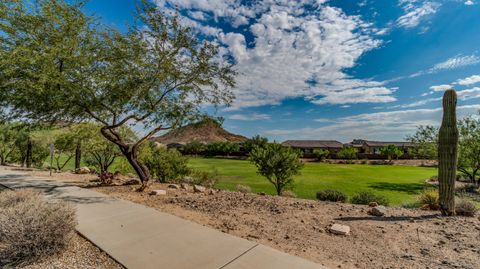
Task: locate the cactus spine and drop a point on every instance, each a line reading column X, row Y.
column 447, row 154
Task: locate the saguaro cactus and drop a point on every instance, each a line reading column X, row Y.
column 447, row 154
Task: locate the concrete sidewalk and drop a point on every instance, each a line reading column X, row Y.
column 141, row 237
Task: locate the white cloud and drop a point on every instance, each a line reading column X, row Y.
column 418, row 103
column 469, row 80
column 469, row 3
column 416, row 13
column 294, row 52
column 456, row 62
column 376, row 126
column 469, row 93
column 250, row 117
column 441, row 88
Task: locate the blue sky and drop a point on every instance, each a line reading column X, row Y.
column 319, row 69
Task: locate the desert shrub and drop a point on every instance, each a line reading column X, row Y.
column 410, row 205
column 366, row 197
column 331, row 195
column 243, row 189
column 31, row 227
column 465, row 208
column 203, row 178
column 321, row 154
column 428, row 199
column 287, row 193
column 468, row 187
column 166, row 165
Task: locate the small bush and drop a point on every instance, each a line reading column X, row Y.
column 428, row 199
column 332, row 196
column 203, row 178
column 366, row 197
column 469, row 187
column 288, row 193
column 243, row 189
column 31, row 227
column 465, row 208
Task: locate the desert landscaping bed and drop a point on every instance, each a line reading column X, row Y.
column 404, row 238
column 80, row 253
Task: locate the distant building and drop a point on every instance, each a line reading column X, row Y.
column 308, row 146
column 374, row 147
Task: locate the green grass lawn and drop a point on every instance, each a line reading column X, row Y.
column 399, row 184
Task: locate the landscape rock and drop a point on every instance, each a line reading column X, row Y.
column 340, row 229
column 158, row 192
column 185, row 186
column 173, row 186
column 83, row 170
column 198, row 188
column 373, row 204
column 378, row 211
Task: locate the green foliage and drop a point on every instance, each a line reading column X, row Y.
column 391, row 151
column 321, row 154
column 428, row 199
column 256, row 141
column 204, row 178
column 222, row 148
column 425, row 140
column 469, row 148
column 8, row 136
column 278, row 164
column 347, row 153
column 194, row 148
column 59, row 64
column 164, row 165
column 332, row 196
column 366, row 197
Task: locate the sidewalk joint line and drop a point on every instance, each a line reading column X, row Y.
column 246, row 251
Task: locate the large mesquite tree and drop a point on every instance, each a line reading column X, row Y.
column 57, row 65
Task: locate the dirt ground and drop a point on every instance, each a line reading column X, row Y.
column 404, row 238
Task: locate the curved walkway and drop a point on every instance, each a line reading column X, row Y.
column 141, row 237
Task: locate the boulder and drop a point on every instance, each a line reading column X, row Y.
column 377, row 211
column 185, row 186
column 373, row 204
column 173, row 186
column 198, row 188
column 83, row 170
column 158, row 192
column 340, row 229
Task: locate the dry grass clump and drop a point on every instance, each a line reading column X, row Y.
column 428, row 199
column 32, row 227
column 243, row 189
column 465, row 208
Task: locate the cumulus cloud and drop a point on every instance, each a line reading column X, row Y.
column 416, row 11
column 469, row 3
column 469, row 80
column 376, row 126
column 250, row 117
column 283, row 50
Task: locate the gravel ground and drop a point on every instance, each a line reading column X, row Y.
column 79, row 254
column 404, row 238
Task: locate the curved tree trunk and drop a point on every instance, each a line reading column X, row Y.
column 140, row 169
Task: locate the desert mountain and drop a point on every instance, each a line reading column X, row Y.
column 206, row 131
